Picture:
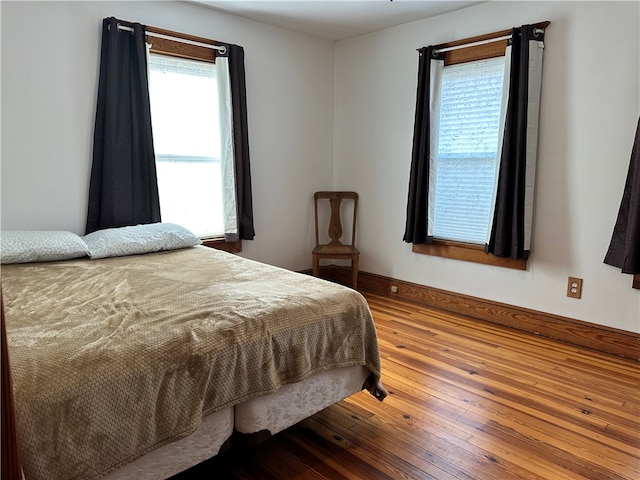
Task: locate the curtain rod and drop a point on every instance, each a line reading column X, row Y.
column 537, row 31
column 220, row 48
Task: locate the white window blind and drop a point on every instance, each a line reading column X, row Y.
column 463, row 168
column 186, row 135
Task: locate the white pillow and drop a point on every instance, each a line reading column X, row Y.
column 25, row 246
column 134, row 240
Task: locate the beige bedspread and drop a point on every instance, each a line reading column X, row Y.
column 112, row 358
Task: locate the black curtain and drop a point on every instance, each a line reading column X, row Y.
column 244, row 203
column 418, row 197
column 123, row 188
column 624, row 249
column 507, row 232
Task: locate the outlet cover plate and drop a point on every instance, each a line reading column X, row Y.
column 574, row 287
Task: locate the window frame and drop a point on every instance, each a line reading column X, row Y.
column 471, row 252
column 172, row 48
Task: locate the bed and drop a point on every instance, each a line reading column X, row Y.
column 140, row 356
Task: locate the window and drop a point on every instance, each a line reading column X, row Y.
column 200, row 139
column 463, row 170
column 475, row 147
column 188, row 123
column 186, row 138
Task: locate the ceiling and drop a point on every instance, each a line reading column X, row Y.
column 336, row 19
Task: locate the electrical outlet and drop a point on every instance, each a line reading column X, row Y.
column 574, row 287
column 394, row 289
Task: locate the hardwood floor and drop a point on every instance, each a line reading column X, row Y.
column 467, row 400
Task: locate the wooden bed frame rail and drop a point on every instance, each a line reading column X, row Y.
column 10, row 469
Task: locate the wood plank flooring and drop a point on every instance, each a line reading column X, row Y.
column 467, row 400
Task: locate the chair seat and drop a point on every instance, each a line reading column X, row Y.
column 329, row 249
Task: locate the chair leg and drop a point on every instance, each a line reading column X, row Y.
column 316, row 265
column 354, row 267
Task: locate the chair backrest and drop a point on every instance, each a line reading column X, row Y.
column 335, row 223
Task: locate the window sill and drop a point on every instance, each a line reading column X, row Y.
column 221, row 244
column 467, row 252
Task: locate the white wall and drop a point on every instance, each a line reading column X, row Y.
column 50, row 63
column 590, row 106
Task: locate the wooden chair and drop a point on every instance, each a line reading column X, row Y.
column 335, row 249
